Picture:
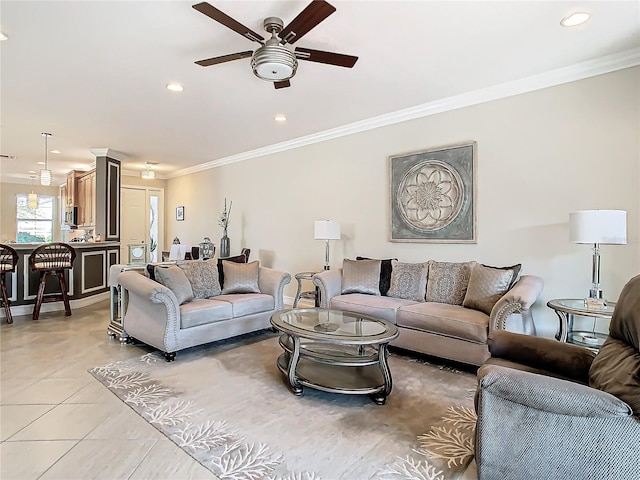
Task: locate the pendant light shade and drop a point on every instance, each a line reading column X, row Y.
column 45, row 173
column 147, row 173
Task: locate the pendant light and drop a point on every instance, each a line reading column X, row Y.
column 147, row 173
column 45, row 173
column 32, row 198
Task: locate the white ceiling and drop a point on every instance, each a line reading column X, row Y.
column 93, row 73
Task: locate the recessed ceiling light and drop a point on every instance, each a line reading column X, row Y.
column 577, row 18
column 280, row 117
column 39, row 163
column 55, row 151
column 31, row 171
column 175, row 87
column 3, row 37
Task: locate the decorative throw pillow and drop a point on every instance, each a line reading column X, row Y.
column 408, row 280
column 237, row 259
column 448, row 282
column 361, row 276
column 487, row 285
column 175, row 280
column 385, row 274
column 240, row 277
column 203, row 277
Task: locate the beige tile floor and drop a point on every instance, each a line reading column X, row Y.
column 57, row 422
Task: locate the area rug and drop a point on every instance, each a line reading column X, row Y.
column 226, row 405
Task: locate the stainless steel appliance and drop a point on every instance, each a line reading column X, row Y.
column 71, row 216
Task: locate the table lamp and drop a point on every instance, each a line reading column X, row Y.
column 326, row 230
column 597, row 227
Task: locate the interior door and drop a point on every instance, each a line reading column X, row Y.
column 134, row 226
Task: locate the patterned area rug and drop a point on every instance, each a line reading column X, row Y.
column 226, row 405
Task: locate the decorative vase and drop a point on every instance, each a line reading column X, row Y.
column 225, row 245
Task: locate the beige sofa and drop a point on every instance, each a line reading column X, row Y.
column 451, row 331
column 157, row 317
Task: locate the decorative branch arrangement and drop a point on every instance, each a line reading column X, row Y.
column 224, row 216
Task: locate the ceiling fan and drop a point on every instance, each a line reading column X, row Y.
column 273, row 61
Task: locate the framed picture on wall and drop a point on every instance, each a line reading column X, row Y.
column 179, row 213
column 433, row 195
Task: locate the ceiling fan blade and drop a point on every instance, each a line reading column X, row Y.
column 311, row 16
column 282, row 84
column 221, row 17
column 330, row 58
column 224, row 58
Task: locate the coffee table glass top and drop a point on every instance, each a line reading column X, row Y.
column 310, row 322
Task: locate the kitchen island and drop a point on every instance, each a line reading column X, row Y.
column 87, row 281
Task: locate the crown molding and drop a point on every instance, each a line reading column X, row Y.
column 107, row 152
column 572, row 73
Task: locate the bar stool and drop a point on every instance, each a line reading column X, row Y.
column 52, row 259
column 8, row 262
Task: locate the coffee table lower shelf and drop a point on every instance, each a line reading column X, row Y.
column 362, row 380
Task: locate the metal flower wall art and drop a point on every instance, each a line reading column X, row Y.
column 433, row 195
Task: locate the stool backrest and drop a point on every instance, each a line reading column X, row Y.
column 8, row 258
column 52, row 256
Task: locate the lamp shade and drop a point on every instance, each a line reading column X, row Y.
column 598, row 226
column 326, row 230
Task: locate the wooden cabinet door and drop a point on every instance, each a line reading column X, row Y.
column 90, row 190
column 80, row 200
column 63, row 203
column 71, row 189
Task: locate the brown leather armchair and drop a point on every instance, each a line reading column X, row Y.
column 554, row 410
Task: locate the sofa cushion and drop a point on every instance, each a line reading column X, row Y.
column 248, row 303
column 448, row 282
column 486, row 286
column 203, row 311
column 240, row 277
column 203, row 277
column 374, row 306
column 242, row 258
column 385, row 274
column 443, row 319
column 361, row 276
column 408, row 280
column 175, row 280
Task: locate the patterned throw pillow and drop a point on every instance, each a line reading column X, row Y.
column 487, row 285
column 448, row 282
column 240, row 277
column 175, row 280
column 361, row 276
column 385, row 274
column 203, row 277
column 408, row 280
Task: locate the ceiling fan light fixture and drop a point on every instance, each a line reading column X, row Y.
column 274, row 63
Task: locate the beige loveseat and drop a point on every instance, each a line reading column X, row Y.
column 170, row 319
column 440, row 308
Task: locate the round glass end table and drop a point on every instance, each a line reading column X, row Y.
column 567, row 308
column 335, row 351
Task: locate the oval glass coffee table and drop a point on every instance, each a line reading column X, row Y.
column 335, row 351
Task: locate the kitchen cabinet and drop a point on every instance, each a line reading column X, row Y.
column 71, row 199
column 63, row 203
column 86, row 199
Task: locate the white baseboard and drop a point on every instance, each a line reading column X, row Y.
column 302, row 303
column 17, row 310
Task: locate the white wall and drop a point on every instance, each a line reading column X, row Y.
column 540, row 156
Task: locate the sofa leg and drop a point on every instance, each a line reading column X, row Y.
column 170, row 357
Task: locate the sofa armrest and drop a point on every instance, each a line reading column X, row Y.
column 518, row 299
column 547, row 394
column 568, row 360
column 153, row 311
column 330, row 284
column 272, row 282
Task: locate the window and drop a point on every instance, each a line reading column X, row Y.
column 34, row 224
